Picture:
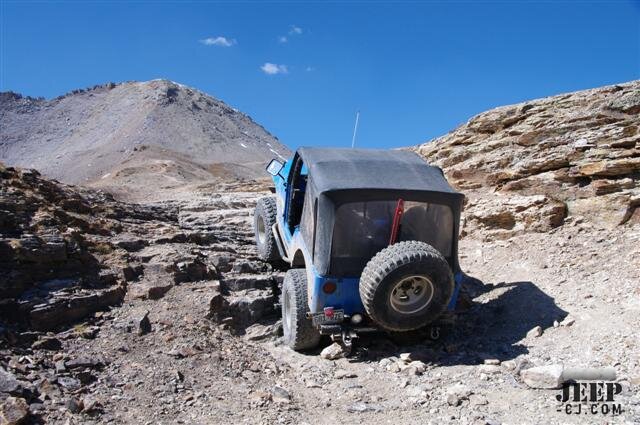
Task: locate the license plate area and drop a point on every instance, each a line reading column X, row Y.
column 322, row 319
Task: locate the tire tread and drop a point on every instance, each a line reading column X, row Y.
column 267, row 210
column 388, row 260
column 304, row 335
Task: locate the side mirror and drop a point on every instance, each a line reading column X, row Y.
column 274, row 167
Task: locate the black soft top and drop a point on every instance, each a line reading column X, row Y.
column 334, row 169
column 342, row 176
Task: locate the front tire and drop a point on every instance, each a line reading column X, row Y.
column 299, row 333
column 406, row 286
column 263, row 220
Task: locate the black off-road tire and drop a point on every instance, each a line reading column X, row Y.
column 263, row 220
column 395, row 263
column 299, row 332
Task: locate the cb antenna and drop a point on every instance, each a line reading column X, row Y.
column 355, row 130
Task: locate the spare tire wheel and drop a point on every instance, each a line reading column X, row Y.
column 406, row 286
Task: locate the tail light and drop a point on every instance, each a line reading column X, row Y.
column 329, row 287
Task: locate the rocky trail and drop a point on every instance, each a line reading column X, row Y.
column 195, row 338
column 160, row 312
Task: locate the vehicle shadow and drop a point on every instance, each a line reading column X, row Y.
column 490, row 322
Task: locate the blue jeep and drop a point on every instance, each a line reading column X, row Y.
column 371, row 239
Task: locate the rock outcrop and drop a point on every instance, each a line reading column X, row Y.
column 59, row 255
column 68, row 252
column 526, row 167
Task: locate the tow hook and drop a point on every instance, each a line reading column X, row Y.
column 345, row 339
column 434, row 333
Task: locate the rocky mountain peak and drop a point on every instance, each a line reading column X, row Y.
column 134, row 136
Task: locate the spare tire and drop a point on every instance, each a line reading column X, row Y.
column 406, row 286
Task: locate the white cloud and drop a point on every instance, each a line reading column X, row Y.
column 218, row 41
column 293, row 31
column 309, row 69
column 273, row 69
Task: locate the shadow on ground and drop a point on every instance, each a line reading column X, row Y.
column 490, row 326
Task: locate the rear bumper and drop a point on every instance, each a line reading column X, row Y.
column 336, row 329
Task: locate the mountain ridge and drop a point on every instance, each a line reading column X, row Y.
column 133, row 136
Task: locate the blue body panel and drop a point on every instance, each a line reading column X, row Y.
column 281, row 181
column 346, row 296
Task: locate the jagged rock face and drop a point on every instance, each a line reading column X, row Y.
column 57, row 260
column 134, row 137
column 68, row 252
column 526, row 167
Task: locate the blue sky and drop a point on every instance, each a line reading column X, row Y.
column 414, row 69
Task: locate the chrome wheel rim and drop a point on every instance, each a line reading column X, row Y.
column 411, row 294
column 286, row 317
column 261, row 230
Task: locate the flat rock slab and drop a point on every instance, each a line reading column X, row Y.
column 247, row 281
column 547, row 377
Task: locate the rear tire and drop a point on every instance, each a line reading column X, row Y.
column 299, row 332
column 406, row 286
column 263, row 220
